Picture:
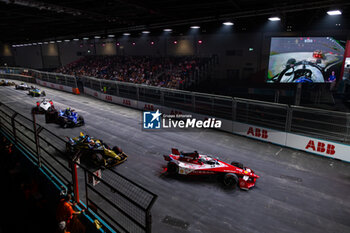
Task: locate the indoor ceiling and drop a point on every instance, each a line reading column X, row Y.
column 26, row 20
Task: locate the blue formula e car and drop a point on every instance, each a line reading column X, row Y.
column 65, row 118
column 69, row 118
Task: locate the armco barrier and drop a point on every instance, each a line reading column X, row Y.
column 118, row 203
column 321, row 147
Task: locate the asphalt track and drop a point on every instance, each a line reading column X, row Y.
column 297, row 191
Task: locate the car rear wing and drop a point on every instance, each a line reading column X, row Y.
column 175, row 151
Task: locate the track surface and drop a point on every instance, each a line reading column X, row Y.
column 297, row 191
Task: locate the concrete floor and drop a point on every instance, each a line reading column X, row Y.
column 297, row 191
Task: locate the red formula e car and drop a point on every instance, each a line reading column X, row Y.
column 232, row 175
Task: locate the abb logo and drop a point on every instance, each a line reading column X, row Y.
column 53, row 86
column 149, row 107
column 108, row 97
column 127, row 102
column 95, row 94
column 321, row 147
column 175, row 112
column 258, row 132
column 44, row 83
column 61, row 87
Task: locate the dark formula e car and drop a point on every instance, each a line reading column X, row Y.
column 44, row 106
column 189, row 164
column 35, row 92
column 96, row 150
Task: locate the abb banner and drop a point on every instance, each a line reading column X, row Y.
column 318, row 146
column 92, row 92
column 261, row 133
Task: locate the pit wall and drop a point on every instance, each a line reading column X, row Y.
column 305, row 143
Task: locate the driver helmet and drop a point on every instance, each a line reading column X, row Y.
column 291, row 62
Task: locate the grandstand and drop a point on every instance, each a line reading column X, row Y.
column 169, row 72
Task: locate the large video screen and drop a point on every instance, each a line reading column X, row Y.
column 305, row 60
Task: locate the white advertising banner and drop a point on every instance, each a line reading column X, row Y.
column 54, row 86
column 261, row 133
column 144, row 106
column 318, row 146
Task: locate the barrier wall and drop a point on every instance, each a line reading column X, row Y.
column 305, row 143
column 58, row 86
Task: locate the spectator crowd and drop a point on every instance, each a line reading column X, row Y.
column 170, row 72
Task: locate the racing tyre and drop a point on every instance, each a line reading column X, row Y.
column 230, row 180
column 64, row 123
column 237, row 164
column 117, row 150
column 69, row 148
column 173, row 169
column 43, row 93
column 98, row 159
column 81, row 120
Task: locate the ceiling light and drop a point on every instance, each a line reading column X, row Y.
column 52, row 42
column 126, row 34
column 146, row 32
column 85, row 38
column 195, row 27
column 40, row 42
column 58, row 41
column 97, row 37
column 76, row 39
column 334, row 12
column 66, row 40
column 46, row 42
column 167, row 29
column 274, row 18
column 227, row 23
column 111, row 36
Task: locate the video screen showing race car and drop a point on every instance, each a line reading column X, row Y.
column 305, row 60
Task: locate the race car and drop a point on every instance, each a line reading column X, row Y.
column 22, row 86
column 36, row 92
column 194, row 164
column 69, row 118
column 96, row 150
column 317, row 54
column 44, row 106
column 6, row 83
